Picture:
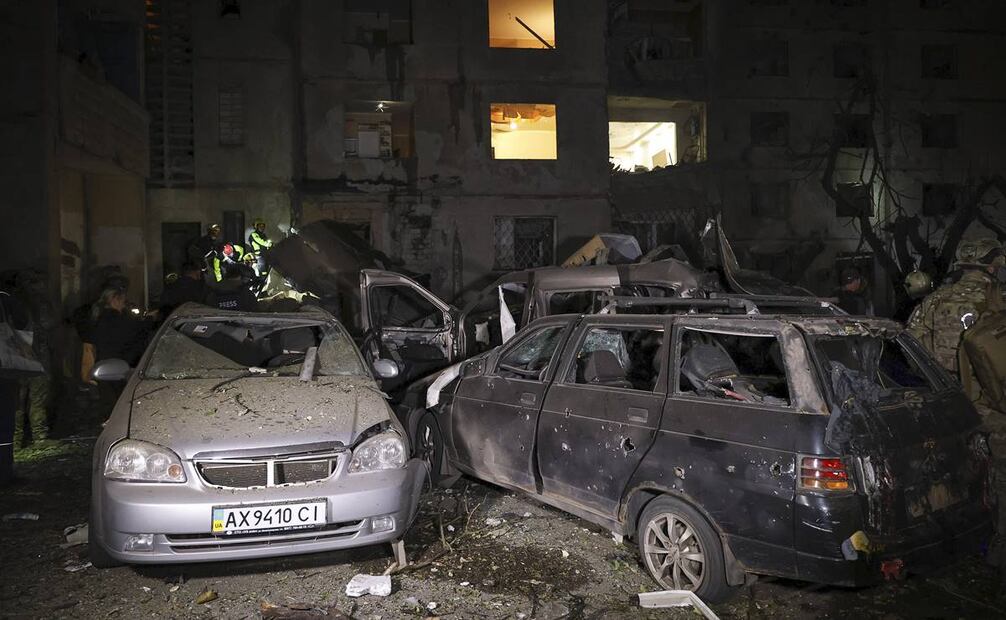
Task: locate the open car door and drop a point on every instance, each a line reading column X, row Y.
column 405, row 323
column 745, row 281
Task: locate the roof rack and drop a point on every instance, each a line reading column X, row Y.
column 613, row 302
column 748, row 304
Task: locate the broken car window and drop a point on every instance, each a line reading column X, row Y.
column 574, row 302
column 733, row 367
column 883, row 359
column 530, row 358
column 403, row 306
column 622, row 357
column 208, row 349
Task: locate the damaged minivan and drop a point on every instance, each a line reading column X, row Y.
column 827, row 449
column 245, row 436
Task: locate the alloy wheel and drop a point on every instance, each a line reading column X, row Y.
column 673, row 553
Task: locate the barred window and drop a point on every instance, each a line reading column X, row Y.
column 232, row 118
column 523, row 242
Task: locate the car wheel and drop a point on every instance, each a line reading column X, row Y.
column 96, row 553
column 681, row 551
column 429, row 446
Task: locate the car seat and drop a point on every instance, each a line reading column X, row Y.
column 602, row 367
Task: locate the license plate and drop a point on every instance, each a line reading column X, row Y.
column 267, row 517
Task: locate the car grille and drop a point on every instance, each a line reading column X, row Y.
column 190, row 543
column 269, row 471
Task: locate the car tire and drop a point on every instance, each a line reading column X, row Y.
column 428, row 445
column 681, row 551
column 96, row 553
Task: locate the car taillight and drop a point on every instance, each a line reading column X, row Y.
column 824, row 474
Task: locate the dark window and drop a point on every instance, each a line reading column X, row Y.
column 770, row 199
column 853, row 130
column 939, row 131
column 621, row 357
column 232, row 117
column 770, row 128
column 851, row 60
column 939, row 62
column 378, row 23
column 575, row 302
column 894, row 368
column 848, row 3
column 679, row 26
column 939, row 198
column 729, row 367
column 770, row 57
column 936, row 4
column 523, row 242
column 233, row 227
column 530, row 358
column 399, row 305
column 230, row 8
column 855, row 200
column 768, row 3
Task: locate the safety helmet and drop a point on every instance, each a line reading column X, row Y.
column 259, row 222
column 978, row 251
column 213, row 227
column 918, row 284
column 228, row 249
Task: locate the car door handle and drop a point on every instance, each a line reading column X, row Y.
column 527, row 398
column 638, row 414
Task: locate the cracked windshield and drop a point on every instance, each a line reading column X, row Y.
column 207, row 349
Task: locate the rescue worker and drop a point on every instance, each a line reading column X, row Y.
column 201, row 249
column 230, row 257
column 917, row 285
column 260, row 244
column 852, row 294
column 940, row 320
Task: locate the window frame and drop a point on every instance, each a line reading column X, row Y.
column 548, row 47
column 372, row 308
column 550, row 368
column 576, row 340
column 674, row 381
column 496, row 266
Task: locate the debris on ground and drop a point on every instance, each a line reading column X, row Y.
column 360, row 584
column 300, row 611
column 206, row 596
column 21, row 516
column 494, row 522
column 676, row 598
column 75, row 535
column 76, row 567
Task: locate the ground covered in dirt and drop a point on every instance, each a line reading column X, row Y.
column 477, row 551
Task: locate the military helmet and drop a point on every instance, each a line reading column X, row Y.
column 978, row 251
column 918, row 284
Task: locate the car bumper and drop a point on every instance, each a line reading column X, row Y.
column 895, row 559
column 179, row 516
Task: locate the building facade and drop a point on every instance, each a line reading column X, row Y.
column 469, row 137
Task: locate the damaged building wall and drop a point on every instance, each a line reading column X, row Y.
column 776, row 74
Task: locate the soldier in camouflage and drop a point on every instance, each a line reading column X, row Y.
column 940, row 320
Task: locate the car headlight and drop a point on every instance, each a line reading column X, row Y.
column 140, row 461
column 384, row 451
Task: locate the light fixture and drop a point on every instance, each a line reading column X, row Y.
column 380, row 106
column 513, row 124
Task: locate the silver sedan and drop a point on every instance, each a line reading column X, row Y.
column 247, row 436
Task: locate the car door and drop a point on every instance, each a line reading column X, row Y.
column 406, row 323
column 494, row 414
column 601, row 413
column 726, row 438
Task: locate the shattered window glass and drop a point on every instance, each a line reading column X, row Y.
column 622, row 357
column 403, row 306
column 740, row 368
column 530, row 358
column 207, row 349
column 574, row 302
column 882, row 359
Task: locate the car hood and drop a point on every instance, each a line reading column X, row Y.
column 190, row 416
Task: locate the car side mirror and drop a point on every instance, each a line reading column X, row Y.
column 110, row 370
column 385, row 369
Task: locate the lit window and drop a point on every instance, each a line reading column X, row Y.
column 646, row 133
column 522, row 24
column 231, row 118
column 378, row 130
column 642, row 146
column 523, row 242
column 523, row 130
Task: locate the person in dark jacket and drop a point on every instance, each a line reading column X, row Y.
column 116, row 333
column 190, row 286
column 200, row 250
column 853, row 295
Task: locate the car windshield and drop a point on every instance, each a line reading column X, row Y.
column 207, row 348
column 884, row 362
